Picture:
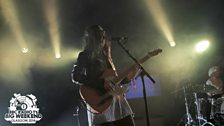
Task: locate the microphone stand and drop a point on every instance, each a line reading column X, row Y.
column 142, row 74
column 77, row 115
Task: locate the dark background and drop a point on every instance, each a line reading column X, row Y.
column 39, row 73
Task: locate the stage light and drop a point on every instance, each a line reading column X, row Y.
column 202, row 46
column 25, row 50
column 58, row 56
column 172, row 44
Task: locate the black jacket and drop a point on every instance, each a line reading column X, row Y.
column 88, row 71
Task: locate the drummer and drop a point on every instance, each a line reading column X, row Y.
column 215, row 81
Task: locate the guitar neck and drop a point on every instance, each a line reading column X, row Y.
column 121, row 76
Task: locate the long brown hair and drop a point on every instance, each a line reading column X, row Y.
column 92, row 38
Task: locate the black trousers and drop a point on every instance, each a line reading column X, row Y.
column 127, row 121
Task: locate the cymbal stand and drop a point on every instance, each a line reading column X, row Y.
column 212, row 114
column 199, row 117
column 188, row 115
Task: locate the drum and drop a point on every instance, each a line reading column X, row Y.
column 219, row 106
column 204, row 107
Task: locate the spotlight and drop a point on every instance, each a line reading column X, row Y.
column 58, row 56
column 25, row 50
column 172, row 44
column 202, row 46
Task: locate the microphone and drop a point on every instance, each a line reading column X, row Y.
column 119, row 38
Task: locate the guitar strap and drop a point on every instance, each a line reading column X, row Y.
column 109, row 59
column 112, row 65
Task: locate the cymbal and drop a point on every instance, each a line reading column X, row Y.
column 193, row 88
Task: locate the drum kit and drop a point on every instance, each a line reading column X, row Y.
column 208, row 108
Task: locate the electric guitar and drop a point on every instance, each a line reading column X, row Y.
column 100, row 102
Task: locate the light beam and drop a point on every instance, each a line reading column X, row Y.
column 160, row 18
column 10, row 15
column 51, row 15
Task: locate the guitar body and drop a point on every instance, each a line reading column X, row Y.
column 97, row 101
column 93, row 98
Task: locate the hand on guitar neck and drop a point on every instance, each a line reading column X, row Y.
column 133, row 73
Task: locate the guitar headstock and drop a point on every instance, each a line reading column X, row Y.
column 154, row 52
